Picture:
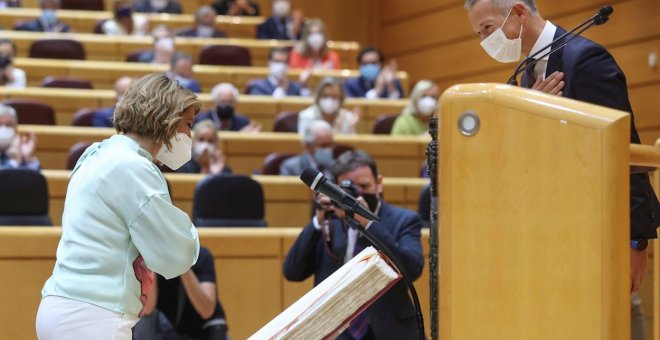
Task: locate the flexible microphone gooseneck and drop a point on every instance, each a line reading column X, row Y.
column 601, row 17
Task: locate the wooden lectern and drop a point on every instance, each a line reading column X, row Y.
column 534, row 224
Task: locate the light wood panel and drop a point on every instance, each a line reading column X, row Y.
column 248, row 263
column 85, row 21
column 102, row 47
column 262, row 109
column 103, row 74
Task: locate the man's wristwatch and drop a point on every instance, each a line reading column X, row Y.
column 639, row 244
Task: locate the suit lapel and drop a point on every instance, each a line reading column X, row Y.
column 555, row 60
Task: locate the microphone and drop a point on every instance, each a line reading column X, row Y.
column 601, row 17
column 319, row 183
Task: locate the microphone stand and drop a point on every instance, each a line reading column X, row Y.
column 349, row 219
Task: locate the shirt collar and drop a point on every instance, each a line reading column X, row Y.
column 545, row 39
column 273, row 80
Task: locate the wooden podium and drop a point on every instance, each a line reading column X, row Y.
column 534, row 225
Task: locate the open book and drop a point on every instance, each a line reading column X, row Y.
column 327, row 309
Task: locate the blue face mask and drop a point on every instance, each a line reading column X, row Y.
column 49, row 17
column 369, row 72
column 323, row 156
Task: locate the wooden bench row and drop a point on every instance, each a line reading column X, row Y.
column 103, row 74
column 262, row 109
column 248, row 269
column 86, row 21
column 244, row 152
column 117, row 48
column 287, row 199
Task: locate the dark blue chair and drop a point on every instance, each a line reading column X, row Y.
column 23, row 198
column 228, row 201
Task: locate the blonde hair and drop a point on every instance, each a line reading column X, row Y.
column 416, row 93
column 152, row 107
column 302, row 46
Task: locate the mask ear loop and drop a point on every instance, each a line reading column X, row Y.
column 507, row 18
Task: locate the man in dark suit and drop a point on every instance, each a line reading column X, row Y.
column 376, row 79
column 223, row 113
column 278, row 84
column 47, row 21
column 281, row 25
column 204, row 25
column 582, row 70
column 326, row 244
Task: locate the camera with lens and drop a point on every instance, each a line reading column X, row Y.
column 350, row 188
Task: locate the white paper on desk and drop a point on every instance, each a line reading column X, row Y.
column 328, row 307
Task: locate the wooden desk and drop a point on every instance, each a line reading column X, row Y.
column 263, row 109
column 103, row 74
column 102, row 47
column 396, row 156
column 248, row 265
column 85, row 21
column 288, row 200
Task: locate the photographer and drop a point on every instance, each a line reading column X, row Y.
column 326, row 243
column 10, row 76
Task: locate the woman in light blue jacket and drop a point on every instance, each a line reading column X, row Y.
column 119, row 223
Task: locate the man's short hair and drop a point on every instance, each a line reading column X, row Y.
column 215, row 92
column 309, row 134
column 10, row 42
column 6, row 110
column 152, row 107
column 505, row 5
column 283, row 50
column 179, row 56
column 204, row 11
column 371, row 49
column 351, row 160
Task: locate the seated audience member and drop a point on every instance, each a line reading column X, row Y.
column 278, row 84
column 325, row 244
column 125, row 22
column 319, row 142
column 207, row 157
column 181, row 70
column 328, row 101
column 103, row 117
column 10, row 75
column 16, row 151
column 414, row 120
column 10, row 3
column 163, row 47
column 312, row 51
column 204, row 25
column 185, row 307
column 282, row 25
column 47, row 21
column 375, row 80
column 236, row 7
column 158, row 6
column 223, row 114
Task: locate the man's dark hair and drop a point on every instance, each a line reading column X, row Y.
column 369, row 49
column 179, row 56
column 351, row 160
column 9, row 41
column 283, row 50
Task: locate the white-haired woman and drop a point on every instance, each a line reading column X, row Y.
column 414, row 120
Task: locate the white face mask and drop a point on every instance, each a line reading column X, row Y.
column 205, row 31
column 315, row 41
column 501, row 48
column 165, row 44
column 200, row 147
column 158, row 4
column 426, row 106
column 281, row 8
column 278, row 69
column 328, row 105
column 6, row 137
column 179, row 155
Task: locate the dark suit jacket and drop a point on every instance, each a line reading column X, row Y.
column 237, row 122
column 192, row 33
column 173, row 7
column 103, row 117
column 270, row 29
column 36, row 26
column 592, row 75
column 392, row 316
column 266, row 88
column 357, row 88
